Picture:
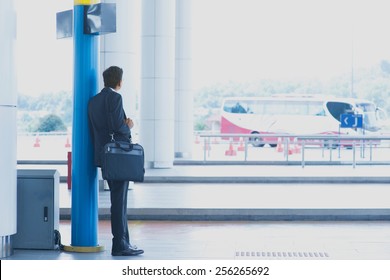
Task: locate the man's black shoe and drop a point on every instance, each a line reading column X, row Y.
column 131, row 251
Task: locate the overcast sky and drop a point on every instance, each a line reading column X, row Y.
column 253, row 39
column 238, row 40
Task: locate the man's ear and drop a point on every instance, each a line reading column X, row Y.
column 118, row 87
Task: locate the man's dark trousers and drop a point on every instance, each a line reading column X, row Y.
column 119, row 228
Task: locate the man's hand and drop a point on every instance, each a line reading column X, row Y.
column 129, row 122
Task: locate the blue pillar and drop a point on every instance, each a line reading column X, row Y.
column 84, row 173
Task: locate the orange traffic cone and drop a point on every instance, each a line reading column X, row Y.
column 36, row 144
column 230, row 151
column 290, row 150
column 67, row 144
column 290, row 146
column 241, row 148
column 297, row 147
column 279, row 146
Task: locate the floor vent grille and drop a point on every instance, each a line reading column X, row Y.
column 284, row 255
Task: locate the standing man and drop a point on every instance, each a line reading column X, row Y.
column 105, row 111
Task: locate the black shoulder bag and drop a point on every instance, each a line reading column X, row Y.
column 122, row 160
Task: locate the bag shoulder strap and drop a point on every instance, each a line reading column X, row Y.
column 109, row 117
column 110, row 125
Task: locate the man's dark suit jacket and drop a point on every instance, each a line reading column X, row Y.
column 103, row 108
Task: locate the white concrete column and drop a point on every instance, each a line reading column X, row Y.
column 158, row 82
column 122, row 49
column 184, row 127
column 8, row 102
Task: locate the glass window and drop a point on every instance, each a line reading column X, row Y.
column 315, row 109
column 234, row 106
column 336, row 109
column 366, row 107
column 271, row 107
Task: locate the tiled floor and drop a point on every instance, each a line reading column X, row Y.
column 173, row 240
column 273, row 239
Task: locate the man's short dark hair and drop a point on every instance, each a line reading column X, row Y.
column 112, row 76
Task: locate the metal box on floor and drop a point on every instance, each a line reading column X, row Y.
column 37, row 209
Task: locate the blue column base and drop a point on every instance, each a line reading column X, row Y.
column 84, row 249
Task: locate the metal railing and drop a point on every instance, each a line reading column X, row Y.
column 339, row 141
column 291, row 149
column 287, row 142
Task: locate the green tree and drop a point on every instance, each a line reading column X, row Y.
column 50, row 123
